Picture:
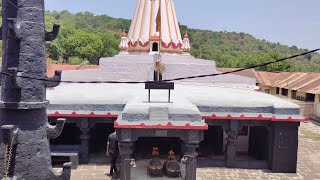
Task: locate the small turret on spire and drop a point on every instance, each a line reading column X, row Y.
column 124, row 43
column 186, row 44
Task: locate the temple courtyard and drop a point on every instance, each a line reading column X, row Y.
column 308, row 164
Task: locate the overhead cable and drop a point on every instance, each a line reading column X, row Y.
column 168, row 80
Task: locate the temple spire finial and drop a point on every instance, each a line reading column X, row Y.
column 124, row 43
column 186, row 44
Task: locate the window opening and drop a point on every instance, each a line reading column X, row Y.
column 155, row 47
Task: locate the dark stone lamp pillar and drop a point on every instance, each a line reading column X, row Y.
column 23, row 119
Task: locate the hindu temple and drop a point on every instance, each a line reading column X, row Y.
column 218, row 118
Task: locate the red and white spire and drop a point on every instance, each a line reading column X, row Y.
column 124, row 43
column 186, row 44
column 143, row 35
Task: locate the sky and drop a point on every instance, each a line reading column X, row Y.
column 290, row 22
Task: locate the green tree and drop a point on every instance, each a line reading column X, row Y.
column 85, row 45
column 53, row 51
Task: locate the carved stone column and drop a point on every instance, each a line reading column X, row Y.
column 191, row 161
column 84, row 137
column 230, row 152
column 126, row 151
column 192, row 139
column 230, row 156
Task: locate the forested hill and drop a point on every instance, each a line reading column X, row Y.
column 85, row 36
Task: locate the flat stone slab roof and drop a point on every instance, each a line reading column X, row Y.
column 190, row 104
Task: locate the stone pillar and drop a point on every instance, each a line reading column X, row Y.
column 283, row 150
column 289, row 94
column 317, row 98
column 126, row 151
column 230, row 154
column 84, row 137
column 23, row 103
column 191, row 161
column 316, row 106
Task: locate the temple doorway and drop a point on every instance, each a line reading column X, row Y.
column 99, row 135
column 251, row 147
column 213, row 142
column 258, row 146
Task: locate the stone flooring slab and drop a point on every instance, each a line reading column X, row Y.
column 308, row 164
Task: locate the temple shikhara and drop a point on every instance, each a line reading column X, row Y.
column 154, row 27
column 222, row 119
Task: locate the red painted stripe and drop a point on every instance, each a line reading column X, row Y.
column 169, row 125
column 159, row 126
column 258, row 118
column 91, row 115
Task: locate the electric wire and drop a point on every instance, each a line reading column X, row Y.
column 168, row 80
column 243, row 69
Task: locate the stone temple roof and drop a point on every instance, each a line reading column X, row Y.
column 190, row 105
column 222, row 97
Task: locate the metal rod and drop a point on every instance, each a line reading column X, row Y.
column 160, row 38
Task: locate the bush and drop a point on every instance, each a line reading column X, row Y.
column 75, row 60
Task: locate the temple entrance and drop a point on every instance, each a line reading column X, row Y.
column 251, row 147
column 258, row 146
column 212, row 143
column 99, row 135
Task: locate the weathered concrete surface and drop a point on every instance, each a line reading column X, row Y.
column 308, row 164
column 141, row 68
column 186, row 100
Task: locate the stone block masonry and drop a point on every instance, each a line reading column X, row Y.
column 24, row 124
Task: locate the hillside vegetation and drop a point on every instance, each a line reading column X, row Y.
column 85, row 36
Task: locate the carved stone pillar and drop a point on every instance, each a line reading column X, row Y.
column 230, row 155
column 230, row 152
column 191, row 161
column 84, row 137
column 126, row 151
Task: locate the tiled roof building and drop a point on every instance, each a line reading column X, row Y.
column 303, row 88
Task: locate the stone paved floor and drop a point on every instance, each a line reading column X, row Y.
column 308, row 164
